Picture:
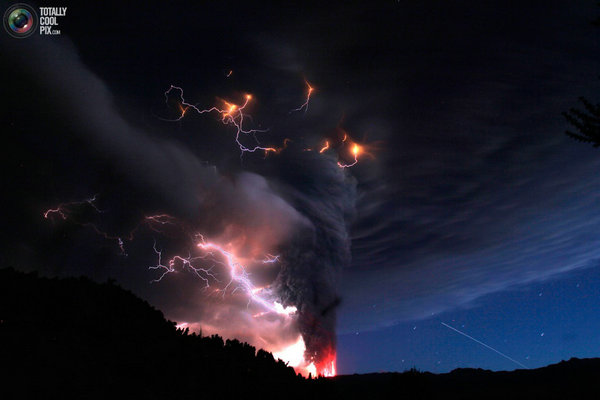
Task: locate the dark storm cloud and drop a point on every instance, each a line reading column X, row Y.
column 480, row 193
column 474, row 189
column 325, row 194
column 162, row 167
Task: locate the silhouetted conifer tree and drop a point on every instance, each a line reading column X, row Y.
column 587, row 120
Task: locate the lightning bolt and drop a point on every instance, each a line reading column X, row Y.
column 241, row 279
column 231, row 114
column 325, row 147
column 356, row 150
column 309, row 92
column 188, row 262
column 65, row 210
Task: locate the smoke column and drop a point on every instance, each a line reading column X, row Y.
column 313, row 261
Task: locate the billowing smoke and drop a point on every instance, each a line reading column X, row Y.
column 313, row 260
column 298, row 207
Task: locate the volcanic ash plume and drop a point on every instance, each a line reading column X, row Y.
column 314, row 258
column 285, row 305
column 270, row 252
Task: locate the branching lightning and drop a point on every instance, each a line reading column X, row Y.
column 187, row 262
column 231, row 114
column 65, row 210
column 344, row 146
column 210, row 252
column 309, row 92
column 240, row 278
column 356, row 150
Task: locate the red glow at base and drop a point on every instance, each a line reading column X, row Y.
column 327, row 367
column 294, row 356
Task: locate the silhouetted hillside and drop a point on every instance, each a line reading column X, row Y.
column 77, row 338
column 73, row 338
column 573, row 379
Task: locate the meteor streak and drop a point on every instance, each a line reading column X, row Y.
column 485, row 345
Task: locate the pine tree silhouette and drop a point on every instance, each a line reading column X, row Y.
column 586, row 121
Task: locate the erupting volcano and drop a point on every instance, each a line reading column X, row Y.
column 269, row 276
column 242, row 239
column 213, row 261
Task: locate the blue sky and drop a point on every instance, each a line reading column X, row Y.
column 536, row 324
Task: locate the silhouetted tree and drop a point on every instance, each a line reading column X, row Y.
column 587, row 120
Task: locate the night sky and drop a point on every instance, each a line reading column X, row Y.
column 475, row 209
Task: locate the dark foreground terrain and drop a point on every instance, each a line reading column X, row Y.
column 73, row 338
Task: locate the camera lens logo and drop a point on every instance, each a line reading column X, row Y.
column 20, row 20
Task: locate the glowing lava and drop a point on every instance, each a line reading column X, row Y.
column 328, row 368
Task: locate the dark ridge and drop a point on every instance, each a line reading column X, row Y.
column 74, row 338
column 80, row 339
column 573, row 379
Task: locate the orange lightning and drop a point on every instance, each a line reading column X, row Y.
column 309, row 92
column 356, row 150
column 231, row 114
